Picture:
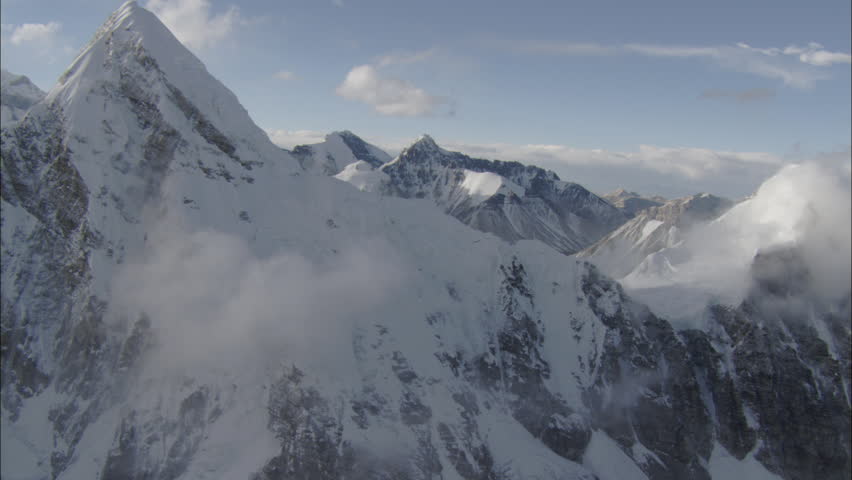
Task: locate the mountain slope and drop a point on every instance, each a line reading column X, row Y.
column 508, row 199
column 651, row 230
column 339, row 150
column 17, row 95
column 180, row 301
column 631, row 203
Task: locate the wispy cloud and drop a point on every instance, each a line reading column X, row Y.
column 193, row 22
column 558, row 48
column 739, row 96
column 285, row 75
column 815, row 54
column 405, row 58
column 389, row 95
column 795, row 66
column 42, row 33
column 44, row 40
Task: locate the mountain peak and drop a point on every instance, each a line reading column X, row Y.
column 423, row 147
column 425, row 141
column 133, row 30
column 133, row 54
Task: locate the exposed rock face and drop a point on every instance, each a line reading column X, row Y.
column 651, row 230
column 511, row 200
column 504, row 361
column 631, row 203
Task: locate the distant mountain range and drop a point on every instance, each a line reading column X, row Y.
column 508, row 199
column 18, row 95
column 183, row 299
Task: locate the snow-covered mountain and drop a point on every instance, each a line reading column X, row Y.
column 651, row 230
column 511, row 200
column 17, row 95
column 632, row 203
column 339, row 150
column 179, row 300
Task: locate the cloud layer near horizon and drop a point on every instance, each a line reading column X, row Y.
column 796, row 66
column 649, row 169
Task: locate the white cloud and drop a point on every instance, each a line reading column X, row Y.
column 193, row 23
column 285, row 75
column 691, row 163
column 767, row 62
column 215, row 305
column 824, row 58
column 387, row 95
column 793, row 65
column 42, row 33
column 291, row 138
column 804, row 206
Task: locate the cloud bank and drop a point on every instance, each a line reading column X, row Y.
column 804, row 207
column 650, row 169
column 215, row 305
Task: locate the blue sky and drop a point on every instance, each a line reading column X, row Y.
column 668, row 97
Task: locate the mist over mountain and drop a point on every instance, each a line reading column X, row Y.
column 183, row 299
column 17, row 95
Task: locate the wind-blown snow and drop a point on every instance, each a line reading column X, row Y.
column 483, row 185
column 604, row 457
column 362, row 176
column 805, row 206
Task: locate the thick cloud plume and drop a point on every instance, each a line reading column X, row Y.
column 805, row 208
column 215, row 305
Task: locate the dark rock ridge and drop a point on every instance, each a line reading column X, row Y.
column 769, row 377
column 542, row 207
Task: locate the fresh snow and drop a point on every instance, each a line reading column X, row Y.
column 17, row 95
column 724, row 466
column 609, row 462
column 483, row 185
column 649, row 228
column 242, row 278
column 362, row 176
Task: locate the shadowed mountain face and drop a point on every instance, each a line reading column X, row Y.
column 180, row 300
column 17, row 95
column 631, row 203
column 508, row 199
